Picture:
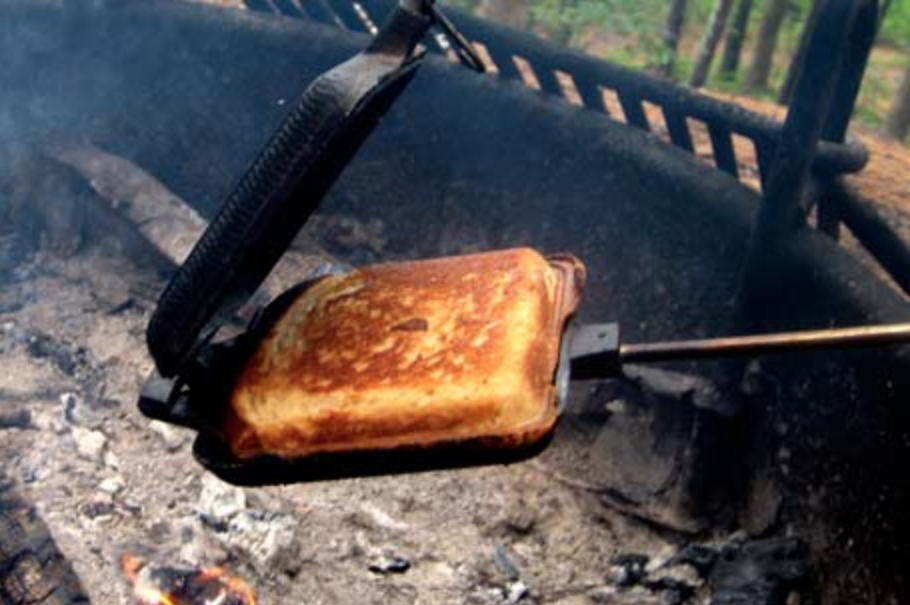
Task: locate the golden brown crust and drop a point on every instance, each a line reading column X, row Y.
column 415, row 353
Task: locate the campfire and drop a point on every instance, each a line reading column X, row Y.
column 155, row 585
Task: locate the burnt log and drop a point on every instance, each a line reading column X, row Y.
column 32, row 569
column 763, row 572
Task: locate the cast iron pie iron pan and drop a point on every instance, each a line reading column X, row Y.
column 392, row 368
column 412, row 366
column 387, row 369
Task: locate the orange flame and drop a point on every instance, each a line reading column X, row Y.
column 168, row 586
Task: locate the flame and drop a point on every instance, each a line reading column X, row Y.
column 233, row 584
column 168, row 586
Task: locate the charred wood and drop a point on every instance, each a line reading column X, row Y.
column 763, row 572
column 168, row 224
column 32, row 569
column 51, row 206
column 18, row 418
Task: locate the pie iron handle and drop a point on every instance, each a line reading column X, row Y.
column 281, row 189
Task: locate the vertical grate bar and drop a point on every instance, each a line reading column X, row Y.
column 547, row 79
column 634, row 110
column 591, row 95
column 344, row 9
column 678, row 127
column 505, row 61
column 724, row 154
column 829, row 221
column 765, row 152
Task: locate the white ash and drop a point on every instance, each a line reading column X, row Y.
column 517, row 592
column 112, row 485
column 173, row 438
column 90, row 444
column 220, row 502
column 266, row 540
column 382, row 519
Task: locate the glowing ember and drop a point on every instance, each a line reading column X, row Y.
column 168, row 586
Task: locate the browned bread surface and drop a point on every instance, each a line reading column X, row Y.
column 408, row 354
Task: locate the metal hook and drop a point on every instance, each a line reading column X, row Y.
column 462, row 46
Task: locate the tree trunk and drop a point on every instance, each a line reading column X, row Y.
column 676, row 19
column 760, row 69
column 796, row 65
column 898, row 122
column 708, row 48
column 513, row 13
column 729, row 63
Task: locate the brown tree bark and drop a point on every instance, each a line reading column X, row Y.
column 676, row 20
column 760, row 68
column 513, row 13
column 898, row 122
column 733, row 50
column 709, row 43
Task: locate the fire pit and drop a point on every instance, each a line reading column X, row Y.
column 665, row 487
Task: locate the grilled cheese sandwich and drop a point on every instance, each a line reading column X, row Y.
column 459, row 350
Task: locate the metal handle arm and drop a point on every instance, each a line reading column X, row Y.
column 764, row 344
column 595, row 351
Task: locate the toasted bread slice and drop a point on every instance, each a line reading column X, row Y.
column 448, row 351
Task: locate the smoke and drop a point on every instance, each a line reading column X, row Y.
column 31, row 47
column 52, row 99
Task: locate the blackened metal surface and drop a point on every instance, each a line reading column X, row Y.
column 592, row 351
column 873, row 231
column 834, row 427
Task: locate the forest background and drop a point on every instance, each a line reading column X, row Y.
column 743, row 47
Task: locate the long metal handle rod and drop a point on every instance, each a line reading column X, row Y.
column 870, row 336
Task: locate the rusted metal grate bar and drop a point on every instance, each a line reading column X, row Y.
column 724, row 153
